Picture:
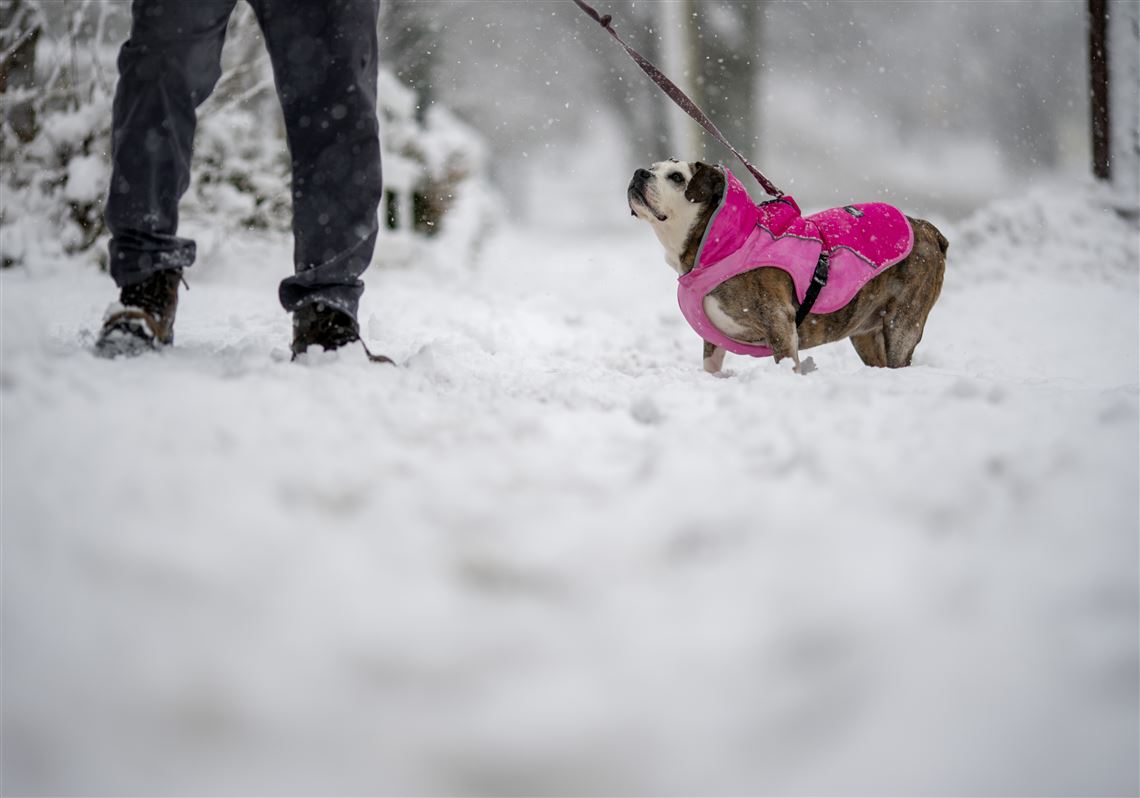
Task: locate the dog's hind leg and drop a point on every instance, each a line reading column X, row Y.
column 871, row 347
column 905, row 319
column 901, row 342
column 902, row 327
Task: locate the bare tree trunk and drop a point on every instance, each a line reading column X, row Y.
column 678, row 53
column 411, row 42
column 1124, row 99
column 1098, row 88
column 642, row 109
column 712, row 53
column 657, row 135
column 725, row 53
column 20, row 31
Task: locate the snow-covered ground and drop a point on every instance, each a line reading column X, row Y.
column 550, row 555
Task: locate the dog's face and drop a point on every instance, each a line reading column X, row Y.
column 677, row 199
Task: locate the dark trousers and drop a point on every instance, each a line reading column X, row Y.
column 324, row 56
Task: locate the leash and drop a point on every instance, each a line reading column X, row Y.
column 674, row 93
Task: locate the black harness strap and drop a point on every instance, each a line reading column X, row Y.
column 818, row 281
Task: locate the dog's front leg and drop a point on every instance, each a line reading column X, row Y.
column 714, row 358
column 784, row 341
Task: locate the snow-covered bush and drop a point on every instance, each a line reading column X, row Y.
column 1076, row 230
column 435, row 179
column 240, row 171
column 55, row 126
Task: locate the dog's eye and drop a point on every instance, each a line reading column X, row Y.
column 677, row 177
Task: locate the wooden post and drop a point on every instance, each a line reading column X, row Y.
column 1098, row 89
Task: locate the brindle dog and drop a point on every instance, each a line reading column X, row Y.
column 884, row 321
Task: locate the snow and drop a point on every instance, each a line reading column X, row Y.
column 87, row 175
column 551, row 555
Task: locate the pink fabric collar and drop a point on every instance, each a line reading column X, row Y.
column 862, row 241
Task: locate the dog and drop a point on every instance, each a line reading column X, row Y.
column 881, row 271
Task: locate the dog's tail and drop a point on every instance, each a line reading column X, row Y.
column 922, row 224
column 943, row 244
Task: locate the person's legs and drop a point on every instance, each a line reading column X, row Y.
column 167, row 68
column 324, row 55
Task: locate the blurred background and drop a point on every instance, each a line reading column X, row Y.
column 534, row 109
column 831, row 99
column 549, row 554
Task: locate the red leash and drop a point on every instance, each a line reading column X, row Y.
column 676, row 95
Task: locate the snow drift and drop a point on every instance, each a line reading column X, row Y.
column 551, row 555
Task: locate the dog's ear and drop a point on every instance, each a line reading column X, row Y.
column 706, row 183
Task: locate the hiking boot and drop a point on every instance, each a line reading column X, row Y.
column 320, row 325
column 143, row 318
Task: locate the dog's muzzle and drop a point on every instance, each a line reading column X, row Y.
column 636, row 193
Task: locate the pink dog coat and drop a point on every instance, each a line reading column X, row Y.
column 860, row 241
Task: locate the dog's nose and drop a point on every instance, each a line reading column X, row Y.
column 643, row 174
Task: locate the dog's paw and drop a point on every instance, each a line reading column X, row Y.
column 807, row 366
